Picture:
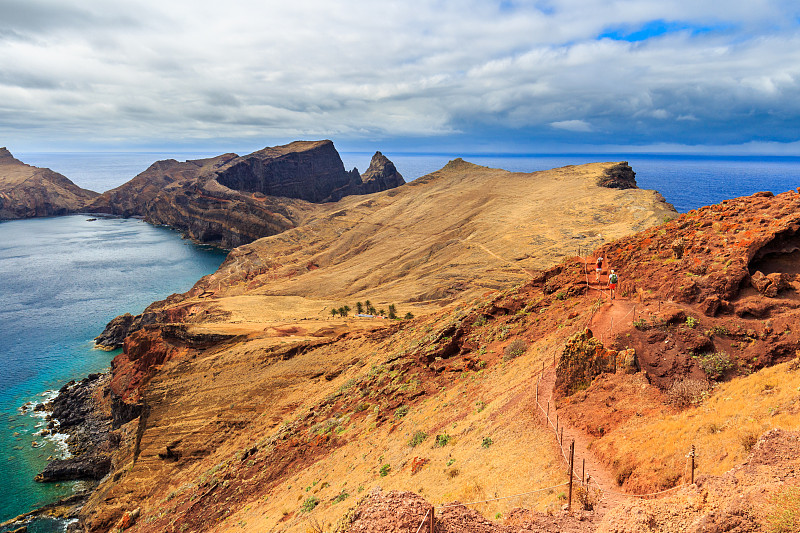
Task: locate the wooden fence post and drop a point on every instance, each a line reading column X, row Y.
column 432, row 519
column 583, row 471
column 692, row 454
column 571, row 463
column 562, row 436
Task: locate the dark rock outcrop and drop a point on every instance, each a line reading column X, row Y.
column 83, row 467
column 27, row 191
column 120, row 327
column 380, row 176
column 78, row 413
column 230, row 200
column 619, row 176
column 306, row 170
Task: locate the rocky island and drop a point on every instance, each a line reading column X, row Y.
column 27, row 191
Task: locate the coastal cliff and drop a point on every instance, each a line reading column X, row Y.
column 269, row 382
column 27, row 191
column 231, row 200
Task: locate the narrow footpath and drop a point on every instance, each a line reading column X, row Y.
column 602, row 326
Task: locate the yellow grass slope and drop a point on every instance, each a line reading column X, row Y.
column 444, row 237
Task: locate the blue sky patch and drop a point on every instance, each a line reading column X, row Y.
column 656, row 28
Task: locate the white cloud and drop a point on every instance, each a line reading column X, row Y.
column 572, row 125
column 153, row 71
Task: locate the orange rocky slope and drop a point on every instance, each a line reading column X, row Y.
column 252, row 399
column 251, row 430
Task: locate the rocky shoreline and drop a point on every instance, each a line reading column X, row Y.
column 81, row 412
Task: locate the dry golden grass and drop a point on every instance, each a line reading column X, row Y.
column 494, row 403
column 723, row 429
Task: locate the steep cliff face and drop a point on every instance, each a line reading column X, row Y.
column 306, row 170
column 230, row 200
column 27, row 191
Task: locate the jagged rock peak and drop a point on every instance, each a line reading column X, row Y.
column 381, row 175
column 620, row 176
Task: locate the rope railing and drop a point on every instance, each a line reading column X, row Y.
column 603, row 492
column 504, row 497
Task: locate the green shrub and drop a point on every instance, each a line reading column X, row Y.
column 487, row 441
column 417, row 438
column 384, row 471
column 309, row 504
column 401, row 411
column 442, row 440
column 691, row 321
column 342, row 496
column 714, row 364
column 515, row 348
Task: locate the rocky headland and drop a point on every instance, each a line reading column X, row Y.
column 230, row 200
column 27, row 191
column 246, row 404
column 255, row 343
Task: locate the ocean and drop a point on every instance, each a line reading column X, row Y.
column 62, row 279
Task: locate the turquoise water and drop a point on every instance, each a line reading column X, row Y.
column 61, row 280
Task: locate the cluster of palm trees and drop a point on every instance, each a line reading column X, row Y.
column 367, row 308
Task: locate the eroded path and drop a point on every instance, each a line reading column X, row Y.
column 586, row 464
column 602, row 481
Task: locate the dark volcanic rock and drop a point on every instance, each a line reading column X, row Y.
column 83, row 467
column 122, row 326
column 27, row 191
column 619, row 176
column 78, row 412
column 380, row 176
column 306, row 170
column 231, row 200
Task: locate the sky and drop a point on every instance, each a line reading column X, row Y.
column 538, row 76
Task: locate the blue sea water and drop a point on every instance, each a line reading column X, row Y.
column 62, row 279
column 687, row 182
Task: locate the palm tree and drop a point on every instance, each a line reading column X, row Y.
column 359, row 308
column 392, row 311
column 334, row 312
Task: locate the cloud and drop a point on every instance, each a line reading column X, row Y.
column 572, row 125
column 149, row 72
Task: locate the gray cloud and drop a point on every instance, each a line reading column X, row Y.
column 146, row 71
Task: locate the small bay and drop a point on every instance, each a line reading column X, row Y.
column 61, row 280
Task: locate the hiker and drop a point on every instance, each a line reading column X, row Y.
column 612, row 283
column 599, row 268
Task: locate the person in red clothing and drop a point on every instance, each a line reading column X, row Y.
column 598, row 269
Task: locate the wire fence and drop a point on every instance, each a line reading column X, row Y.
column 585, row 479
